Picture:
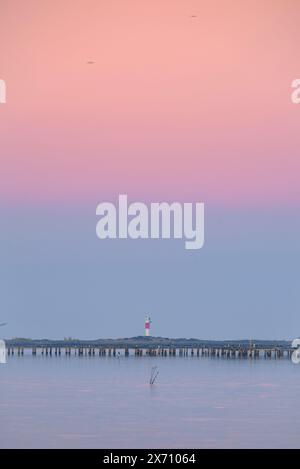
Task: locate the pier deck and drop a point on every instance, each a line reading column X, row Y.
column 242, row 352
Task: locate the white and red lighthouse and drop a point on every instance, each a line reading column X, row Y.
column 147, row 326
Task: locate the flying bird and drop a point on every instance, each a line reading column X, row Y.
column 193, row 16
column 90, row 62
column 3, row 324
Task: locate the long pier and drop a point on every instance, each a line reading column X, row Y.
column 234, row 352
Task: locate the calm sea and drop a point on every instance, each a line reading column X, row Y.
column 107, row 402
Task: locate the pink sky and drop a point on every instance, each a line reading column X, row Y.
column 174, row 107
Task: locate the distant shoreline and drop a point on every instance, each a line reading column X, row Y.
column 145, row 342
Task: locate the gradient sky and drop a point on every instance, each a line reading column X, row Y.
column 175, row 107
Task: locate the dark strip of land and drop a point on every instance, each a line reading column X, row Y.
column 147, row 342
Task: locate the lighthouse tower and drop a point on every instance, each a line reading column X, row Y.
column 147, row 326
